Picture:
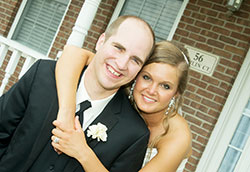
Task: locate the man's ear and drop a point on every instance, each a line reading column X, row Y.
column 100, row 41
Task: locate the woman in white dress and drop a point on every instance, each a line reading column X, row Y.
column 157, row 95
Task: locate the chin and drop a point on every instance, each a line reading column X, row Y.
column 144, row 109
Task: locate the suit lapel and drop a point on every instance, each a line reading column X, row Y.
column 45, row 133
column 109, row 117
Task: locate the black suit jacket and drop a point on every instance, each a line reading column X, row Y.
column 29, row 107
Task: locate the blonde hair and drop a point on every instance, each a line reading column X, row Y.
column 175, row 55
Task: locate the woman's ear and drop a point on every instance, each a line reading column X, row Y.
column 177, row 94
column 100, row 41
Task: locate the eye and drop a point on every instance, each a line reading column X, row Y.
column 136, row 60
column 165, row 86
column 146, row 77
column 118, row 47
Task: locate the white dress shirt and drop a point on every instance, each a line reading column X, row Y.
column 96, row 108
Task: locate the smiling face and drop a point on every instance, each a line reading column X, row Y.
column 155, row 85
column 119, row 58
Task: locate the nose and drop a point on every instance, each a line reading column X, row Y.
column 152, row 89
column 122, row 62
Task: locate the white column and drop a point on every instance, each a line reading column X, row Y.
column 3, row 52
column 14, row 59
column 28, row 62
column 83, row 22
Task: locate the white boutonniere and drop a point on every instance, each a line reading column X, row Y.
column 98, row 132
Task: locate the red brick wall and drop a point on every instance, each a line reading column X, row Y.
column 8, row 10
column 206, row 25
column 66, row 27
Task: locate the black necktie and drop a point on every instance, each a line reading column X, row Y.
column 83, row 106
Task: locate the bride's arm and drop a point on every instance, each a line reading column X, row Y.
column 68, row 70
column 172, row 148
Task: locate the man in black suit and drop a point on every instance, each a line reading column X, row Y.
column 28, row 109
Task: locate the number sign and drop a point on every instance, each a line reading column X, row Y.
column 202, row 61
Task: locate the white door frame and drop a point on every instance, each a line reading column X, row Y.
column 228, row 120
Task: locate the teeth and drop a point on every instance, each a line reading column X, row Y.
column 148, row 99
column 112, row 71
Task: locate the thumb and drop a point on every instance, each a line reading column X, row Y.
column 77, row 123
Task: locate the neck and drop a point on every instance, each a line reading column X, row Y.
column 93, row 87
column 155, row 125
column 154, row 119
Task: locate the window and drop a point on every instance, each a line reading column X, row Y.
column 238, row 142
column 39, row 22
column 162, row 15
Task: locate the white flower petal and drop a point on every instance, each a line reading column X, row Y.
column 98, row 132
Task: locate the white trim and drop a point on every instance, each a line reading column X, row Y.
column 228, row 120
column 17, row 18
column 177, row 20
column 58, row 29
column 26, row 51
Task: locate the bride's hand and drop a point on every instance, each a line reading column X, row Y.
column 66, row 119
column 71, row 141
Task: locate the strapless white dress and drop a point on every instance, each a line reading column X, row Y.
column 154, row 152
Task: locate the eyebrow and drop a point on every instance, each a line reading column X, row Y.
column 122, row 47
